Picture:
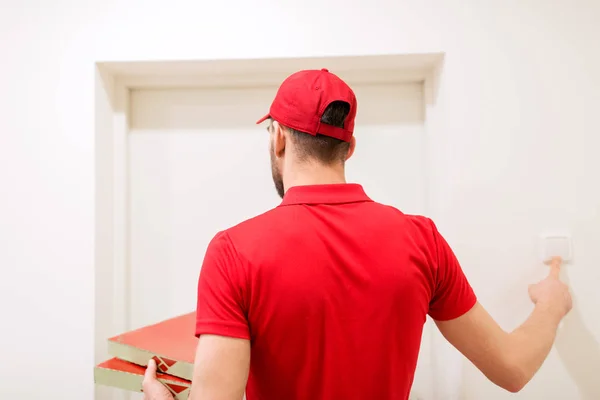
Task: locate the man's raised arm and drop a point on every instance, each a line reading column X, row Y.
column 510, row 360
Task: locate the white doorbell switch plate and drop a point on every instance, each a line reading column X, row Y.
column 554, row 245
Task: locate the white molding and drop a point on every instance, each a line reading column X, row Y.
column 111, row 269
column 251, row 68
column 375, row 69
column 210, row 81
column 121, row 271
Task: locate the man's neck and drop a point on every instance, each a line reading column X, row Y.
column 311, row 174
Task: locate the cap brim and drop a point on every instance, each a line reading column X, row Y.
column 263, row 119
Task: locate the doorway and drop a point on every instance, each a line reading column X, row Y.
column 198, row 165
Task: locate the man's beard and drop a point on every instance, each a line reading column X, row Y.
column 276, row 174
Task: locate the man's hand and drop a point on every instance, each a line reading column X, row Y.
column 551, row 293
column 153, row 389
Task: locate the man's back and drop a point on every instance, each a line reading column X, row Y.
column 333, row 290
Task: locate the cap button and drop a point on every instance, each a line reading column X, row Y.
column 324, row 70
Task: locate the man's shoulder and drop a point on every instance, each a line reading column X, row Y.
column 261, row 222
column 419, row 221
column 251, row 229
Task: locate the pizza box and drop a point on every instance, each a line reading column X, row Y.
column 172, row 343
column 128, row 376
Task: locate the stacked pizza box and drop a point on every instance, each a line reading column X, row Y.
column 170, row 343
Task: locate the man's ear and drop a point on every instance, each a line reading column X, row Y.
column 279, row 139
column 351, row 148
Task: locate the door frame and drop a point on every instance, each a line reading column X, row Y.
column 114, row 83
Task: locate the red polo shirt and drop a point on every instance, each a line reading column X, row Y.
column 333, row 290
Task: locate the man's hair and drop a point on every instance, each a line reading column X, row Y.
column 324, row 149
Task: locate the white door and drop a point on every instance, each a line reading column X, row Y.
column 198, row 164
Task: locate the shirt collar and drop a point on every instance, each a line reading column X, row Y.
column 325, row 194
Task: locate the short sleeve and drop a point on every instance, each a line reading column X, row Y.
column 453, row 295
column 221, row 292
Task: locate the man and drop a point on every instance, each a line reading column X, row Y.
column 325, row 296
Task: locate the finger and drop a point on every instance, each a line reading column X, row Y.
column 555, row 264
column 149, row 375
column 151, row 368
column 531, row 292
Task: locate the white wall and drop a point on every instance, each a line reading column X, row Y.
column 513, row 152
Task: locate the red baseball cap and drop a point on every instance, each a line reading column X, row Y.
column 303, row 97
